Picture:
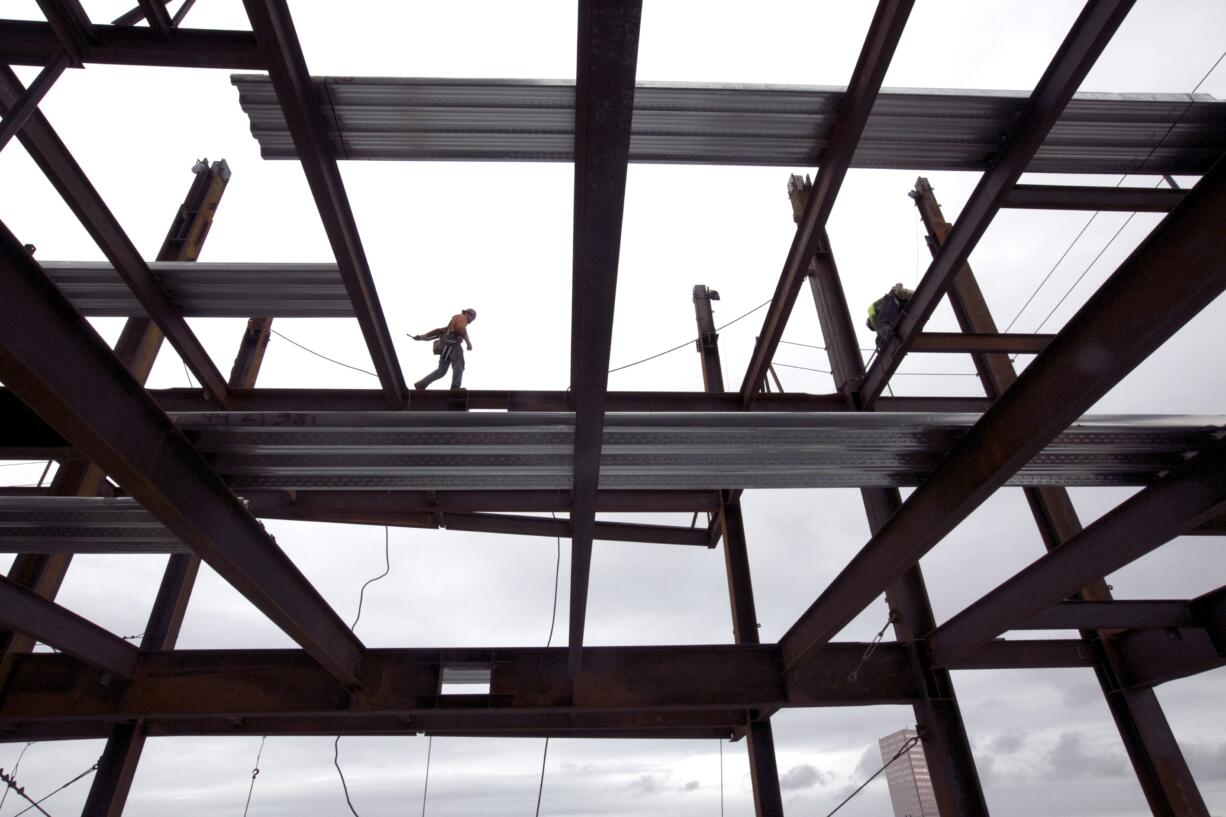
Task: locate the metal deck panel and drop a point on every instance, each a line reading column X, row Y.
column 533, row 120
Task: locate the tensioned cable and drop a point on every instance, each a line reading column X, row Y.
column 902, row 751
column 336, row 744
column 325, row 357
column 16, row 766
column 426, row 785
column 553, row 620
column 37, row 803
column 1096, row 214
column 688, row 342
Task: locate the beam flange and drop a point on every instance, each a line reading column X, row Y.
column 1106, row 199
column 607, row 59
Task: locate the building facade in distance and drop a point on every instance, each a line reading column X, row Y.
column 910, row 784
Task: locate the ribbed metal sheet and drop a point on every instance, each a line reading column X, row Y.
column 55, row 524
column 446, row 450
column 533, row 120
column 201, row 290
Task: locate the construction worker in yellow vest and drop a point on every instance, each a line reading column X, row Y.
column 885, row 313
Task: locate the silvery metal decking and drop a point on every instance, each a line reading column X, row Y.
column 495, row 450
column 533, row 120
column 209, row 290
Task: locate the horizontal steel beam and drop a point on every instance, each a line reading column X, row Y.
column 34, row 43
column 27, row 612
column 1086, row 39
column 53, row 360
column 1109, row 615
column 971, row 342
column 1106, row 199
column 1176, row 272
column 287, row 504
column 1179, row 501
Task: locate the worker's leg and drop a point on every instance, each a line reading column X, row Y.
column 457, row 366
column 443, row 363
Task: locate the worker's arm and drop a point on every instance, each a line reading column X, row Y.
column 432, row 334
column 467, row 342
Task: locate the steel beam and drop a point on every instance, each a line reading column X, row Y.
column 1177, row 502
column 370, row 504
column 760, row 741
column 34, row 43
column 155, row 12
column 607, row 58
column 274, row 30
column 875, row 55
column 45, row 147
column 97, row 405
column 71, row 25
column 937, row 713
column 27, row 612
column 1088, row 37
column 1151, row 747
column 28, row 103
column 1168, row 279
column 1106, row 199
column 953, row 342
column 1116, row 615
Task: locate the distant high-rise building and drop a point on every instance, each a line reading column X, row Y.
column 910, row 784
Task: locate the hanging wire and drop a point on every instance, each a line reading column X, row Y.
column 689, row 342
column 336, row 744
column 317, row 354
column 16, row 766
column 906, row 747
column 426, row 785
column 553, row 620
column 37, row 803
column 11, row 783
column 721, row 777
column 254, row 774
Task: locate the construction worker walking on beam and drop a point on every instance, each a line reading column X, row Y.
column 885, row 313
column 447, row 341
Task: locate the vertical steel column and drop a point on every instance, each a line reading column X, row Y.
column 1151, row 746
column 108, row 792
column 760, row 741
column 943, row 734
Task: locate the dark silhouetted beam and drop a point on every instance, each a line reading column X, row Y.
column 155, row 12
column 34, row 43
column 53, row 158
column 1066, row 653
column 1177, row 271
column 54, row 361
column 370, row 504
column 28, row 104
column 274, row 30
column 1179, row 501
column 71, row 25
column 1088, row 37
column 875, row 55
column 1156, row 656
column 27, row 612
column 1114, row 615
column 1106, row 199
column 607, row 57
column 966, row 342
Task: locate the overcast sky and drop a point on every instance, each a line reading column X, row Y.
column 497, row 237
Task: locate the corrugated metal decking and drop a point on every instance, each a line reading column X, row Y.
column 209, row 290
column 440, row 450
column 533, row 120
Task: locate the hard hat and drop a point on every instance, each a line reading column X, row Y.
column 472, row 313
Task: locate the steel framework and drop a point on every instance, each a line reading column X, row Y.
column 195, row 468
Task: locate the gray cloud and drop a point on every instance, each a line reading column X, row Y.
column 1070, row 759
column 690, row 786
column 804, row 776
column 1007, row 743
column 645, row 784
column 1207, row 762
